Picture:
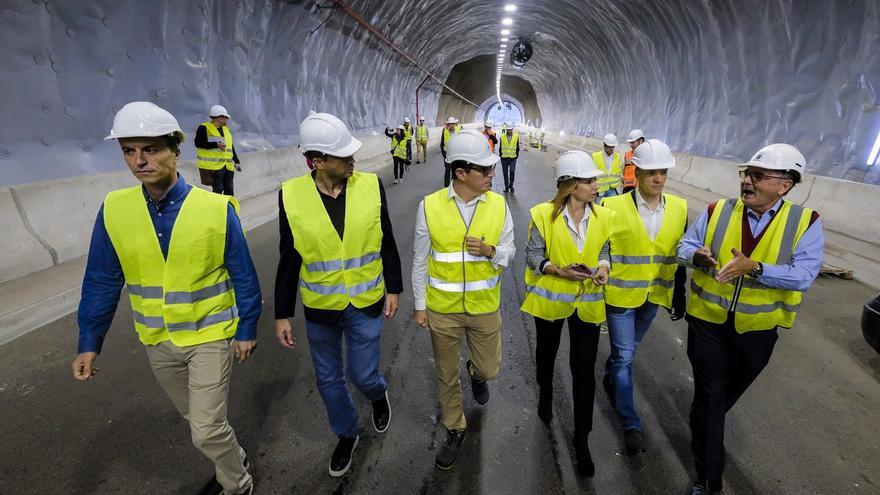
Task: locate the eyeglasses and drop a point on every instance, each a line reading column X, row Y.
column 757, row 176
column 484, row 170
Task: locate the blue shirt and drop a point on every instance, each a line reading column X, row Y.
column 798, row 274
column 104, row 279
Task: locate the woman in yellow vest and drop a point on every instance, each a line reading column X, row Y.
column 567, row 258
column 400, row 146
column 215, row 154
column 421, row 141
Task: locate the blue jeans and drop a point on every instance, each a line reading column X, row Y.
column 626, row 330
column 362, row 342
column 607, row 194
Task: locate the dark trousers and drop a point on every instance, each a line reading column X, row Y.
column 581, row 360
column 447, row 176
column 508, row 168
column 724, row 363
column 223, row 182
column 399, row 167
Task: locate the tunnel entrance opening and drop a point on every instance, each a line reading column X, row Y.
column 510, row 113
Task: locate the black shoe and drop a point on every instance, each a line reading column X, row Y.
column 506, row 189
column 381, row 413
column 449, row 451
column 634, row 442
column 545, row 406
column 700, row 489
column 512, row 189
column 585, row 466
column 213, row 487
column 342, row 454
column 479, row 387
column 608, row 385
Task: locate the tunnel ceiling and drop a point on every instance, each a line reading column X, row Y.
column 718, row 78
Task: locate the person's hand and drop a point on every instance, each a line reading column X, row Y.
column 84, row 366
column 740, row 265
column 679, row 306
column 569, row 273
column 243, row 349
column 476, row 246
column 420, row 316
column 238, row 167
column 703, row 258
column 391, row 304
column 221, row 145
column 600, row 277
column 284, row 332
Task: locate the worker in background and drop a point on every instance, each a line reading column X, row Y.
column 635, row 138
column 490, row 135
column 338, row 248
column 186, row 312
column 567, row 260
column 753, row 258
column 608, row 161
column 509, row 143
column 408, row 132
column 215, row 153
column 644, row 275
column 463, row 240
column 452, row 127
column 422, row 141
column 400, row 148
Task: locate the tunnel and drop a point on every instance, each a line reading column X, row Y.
column 716, row 81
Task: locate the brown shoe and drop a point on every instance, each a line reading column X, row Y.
column 634, row 442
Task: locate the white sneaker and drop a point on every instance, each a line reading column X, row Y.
column 401, row 180
column 396, row 181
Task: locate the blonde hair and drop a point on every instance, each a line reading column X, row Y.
column 564, row 189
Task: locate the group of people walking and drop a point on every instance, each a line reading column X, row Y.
column 591, row 257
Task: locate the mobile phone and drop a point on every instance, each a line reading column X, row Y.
column 582, row 268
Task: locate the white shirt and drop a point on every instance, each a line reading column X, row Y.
column 504, row 251
column 579, row 232
column 653, row 219
column 609, row 160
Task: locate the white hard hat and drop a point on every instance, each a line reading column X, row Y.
column 422, row 117
column 779, row 156
column 326, row 134
column 406, row 120
column 610, row 140
column 487, row 124
column 218, row 110
column 452, row 120
column 401, row 128
column 576, row 164
column 635, row 135
column 653, row 154
column 144, row 119
column 471, row 146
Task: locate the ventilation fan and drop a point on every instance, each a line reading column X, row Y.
column 521, row 53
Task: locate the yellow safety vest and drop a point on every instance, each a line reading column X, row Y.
column 337, row 272
column 422, row 134
column 755, row 305
column 642, row 269
column 398, row 148
column 407, row 132
column 446, row 134
column 187, row 298
column 612, row 177
column 216, row 159
column 550, row 297
column 457, row 281
column 508, row 148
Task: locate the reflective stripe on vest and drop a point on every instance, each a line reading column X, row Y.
column 508, row 148
column 215, row 158
column 642, row 269
column 457, row 281
column 189, row 297
column 422, row 134
column 611, row 178
column 337, row 272
column 755, row 305
column 550, row 297
column 398, row 147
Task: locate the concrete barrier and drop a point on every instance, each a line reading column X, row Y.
column 22, row 252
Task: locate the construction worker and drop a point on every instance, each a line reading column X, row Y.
column 753, row 258
column 463, row 240
column 408, row 132
column 185, row 310
column 422, row 141
column 635, row 138
column 452, row 127
column 608, row 161
column 215, row 154
column 490, row 135
column 509, row 143
column 644, row 275
column 338, row 247
column 567, row 260
column 400, row 148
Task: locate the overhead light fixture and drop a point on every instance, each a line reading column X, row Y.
column 505, row 32
column 507, row 21
column 503, row 45
column 510, row 7
column 504, row 39
column 872, row 157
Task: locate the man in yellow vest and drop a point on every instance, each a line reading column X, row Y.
column 452, row 127
column 422, row 141
column 463, row 240
column 509, row 144
column 644, row 275
column 408, row 132
column 338, row 248
column 215, row 152
column 192, row 313
column 754, row 257
column 608, row 161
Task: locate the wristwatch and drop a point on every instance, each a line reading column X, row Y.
column 492, row 254
column 757, row 272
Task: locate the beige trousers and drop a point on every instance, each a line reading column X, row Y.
column 196, row 379
column 483, row 334
column 422, row 147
